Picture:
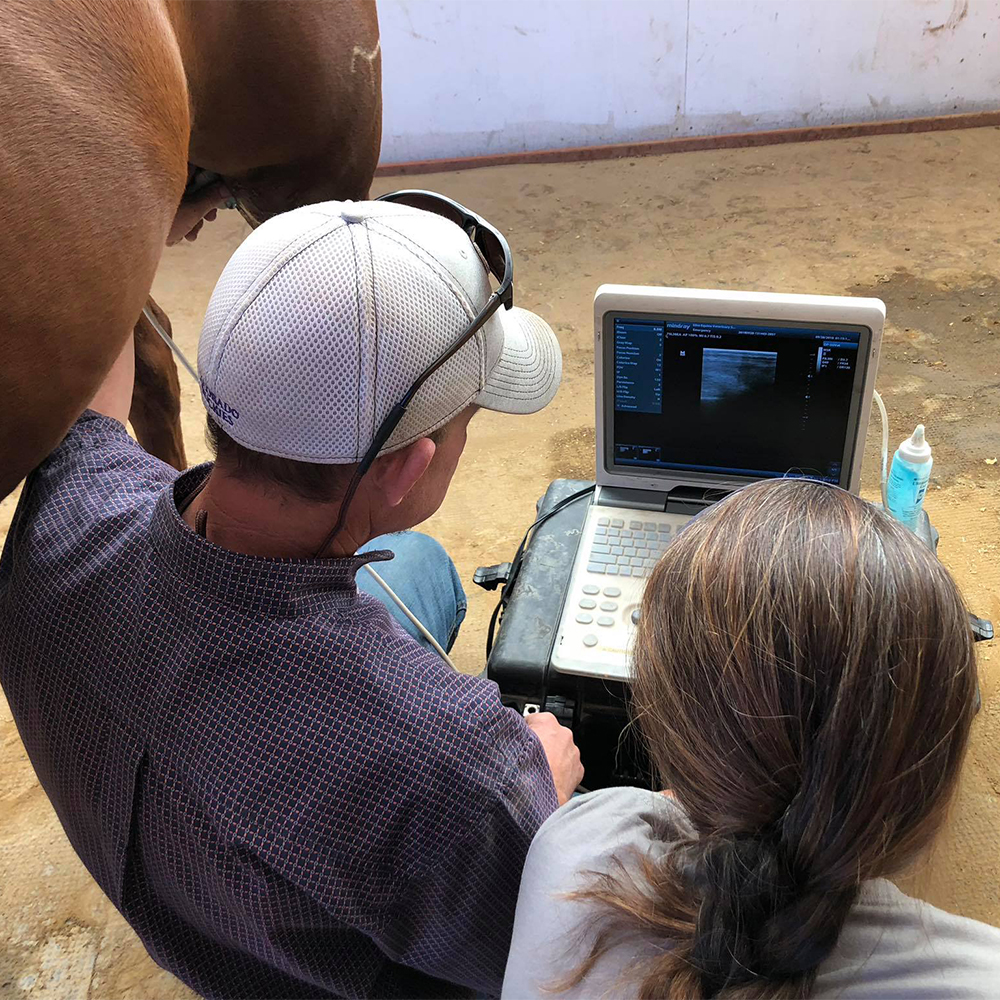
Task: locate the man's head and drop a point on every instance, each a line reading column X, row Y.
column 321, row 322
column 402, row 488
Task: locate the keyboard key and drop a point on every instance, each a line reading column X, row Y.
column 617, row 522
column 634, row 561
column 591, row 588
column 588, row 603
column 617, row 550
column 606, row 620
column 641, row 552
column 590, row 640
column 640, row 572
column 599, row 530
column 605, row 521
column 628, row 550
column 624, row 571
column 584, row 619
column 609, row 606
column 650, row 526
column 635, row 525
column 602, row 557
column 650, row 563
column 612, row 592
column 613, row 532
column 595, row 568
column 600, row 548
column 612, row 571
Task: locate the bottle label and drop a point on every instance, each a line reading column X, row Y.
column 905, row 490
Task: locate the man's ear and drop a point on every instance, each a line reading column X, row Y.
column 397, row 473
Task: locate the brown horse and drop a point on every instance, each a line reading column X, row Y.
column 106, row 109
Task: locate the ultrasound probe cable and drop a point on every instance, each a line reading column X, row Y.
column 397, row 600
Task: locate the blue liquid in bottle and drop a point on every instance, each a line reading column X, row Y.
column 908, row 479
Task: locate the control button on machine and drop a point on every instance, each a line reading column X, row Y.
column 584, row 619
column 608, row 591
column 588, row 603
column 635, row 617
column 605, row 605
column 606, row 620
column 590, row 640
column 590, row 588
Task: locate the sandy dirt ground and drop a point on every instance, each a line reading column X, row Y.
column 912, row 219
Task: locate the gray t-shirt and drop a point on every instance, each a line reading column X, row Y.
column 891, row 946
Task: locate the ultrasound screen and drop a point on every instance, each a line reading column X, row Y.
column 732, row 397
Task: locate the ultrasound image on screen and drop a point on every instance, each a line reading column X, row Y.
column 732, row 397
column 726, row 375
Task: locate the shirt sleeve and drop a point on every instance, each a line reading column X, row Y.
column 97, row 444
column 452, row 918
column 95, row 475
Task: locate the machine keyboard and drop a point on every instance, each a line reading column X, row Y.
column 629, row 548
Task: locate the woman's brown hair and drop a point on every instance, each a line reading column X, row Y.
column 804, row 683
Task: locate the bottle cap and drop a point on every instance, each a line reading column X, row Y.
column 915, row 448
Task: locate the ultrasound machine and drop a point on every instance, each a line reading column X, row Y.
column 698, row 393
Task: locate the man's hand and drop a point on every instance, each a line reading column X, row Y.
column 562, row 753
column 194, row 210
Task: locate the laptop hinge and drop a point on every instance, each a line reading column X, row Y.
column 679, row 500
column 616, row 496
column 692, row 499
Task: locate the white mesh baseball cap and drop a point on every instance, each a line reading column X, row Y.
column 325, row 315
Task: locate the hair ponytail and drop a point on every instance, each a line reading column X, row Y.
column 804, row 682
column 761, row 920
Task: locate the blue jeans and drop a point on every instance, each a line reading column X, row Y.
column 424, row 577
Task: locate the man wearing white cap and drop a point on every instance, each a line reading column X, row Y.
column 283, row 791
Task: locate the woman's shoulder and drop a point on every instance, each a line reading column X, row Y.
column 600, row 822
column 591, row 829
column 587, row 837
column 895, row 946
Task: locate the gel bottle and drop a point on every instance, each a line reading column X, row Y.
column 908, row 479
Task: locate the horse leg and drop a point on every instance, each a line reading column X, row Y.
column 156, row 400
column 95, row 124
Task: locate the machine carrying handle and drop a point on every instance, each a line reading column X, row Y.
column 982, row 630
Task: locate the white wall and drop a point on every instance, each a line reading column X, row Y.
column 468, row 77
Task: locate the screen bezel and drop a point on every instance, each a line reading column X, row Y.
column 653, row 478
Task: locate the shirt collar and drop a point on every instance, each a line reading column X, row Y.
column 282, row 587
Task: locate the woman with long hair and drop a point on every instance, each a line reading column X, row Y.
column 804, row 681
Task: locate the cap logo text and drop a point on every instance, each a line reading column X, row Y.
column 226, row 413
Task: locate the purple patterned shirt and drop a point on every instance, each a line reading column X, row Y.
column 282, row 792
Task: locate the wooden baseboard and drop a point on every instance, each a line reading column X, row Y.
column 737, row 140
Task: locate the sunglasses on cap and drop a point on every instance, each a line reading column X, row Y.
column 495, row 253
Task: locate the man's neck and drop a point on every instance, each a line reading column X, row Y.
column 264, row 522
